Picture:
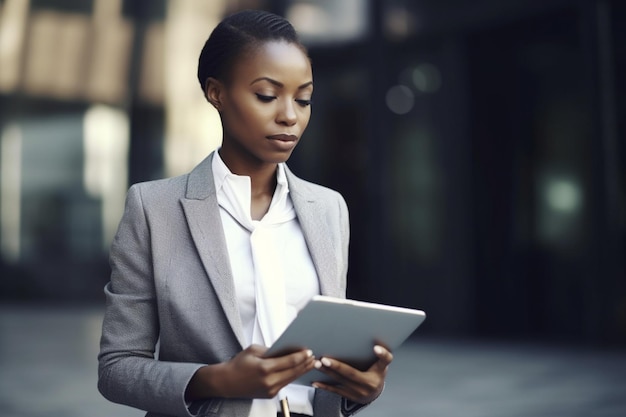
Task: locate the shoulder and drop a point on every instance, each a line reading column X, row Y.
column 325, row 201
column 309, row 189
column 163, row 189
column 197, row 184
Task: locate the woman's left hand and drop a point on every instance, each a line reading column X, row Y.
column 359, row 386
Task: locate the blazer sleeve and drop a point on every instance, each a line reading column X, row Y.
column 345, row 240
column 128, row 372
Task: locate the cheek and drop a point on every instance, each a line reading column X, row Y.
column 306, row 118
column 243, row 116
column 254, row 113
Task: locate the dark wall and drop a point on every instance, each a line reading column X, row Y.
column 497, row 202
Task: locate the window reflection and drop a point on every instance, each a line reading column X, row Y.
column 192, row 127
column 56, row 54
column 329, row 21
column 10, row 191
column 13, row 17
column 106, row 141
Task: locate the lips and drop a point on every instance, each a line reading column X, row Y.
column 283, row 137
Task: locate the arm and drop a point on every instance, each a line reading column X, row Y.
column 128, row 373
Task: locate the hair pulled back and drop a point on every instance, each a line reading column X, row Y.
column 237, row 34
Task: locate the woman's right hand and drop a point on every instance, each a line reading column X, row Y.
column 249, row 375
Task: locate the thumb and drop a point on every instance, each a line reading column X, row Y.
column 256, row 350
column 385, row 357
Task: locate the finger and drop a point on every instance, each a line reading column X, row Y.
column 339, row 371
column 385, row 357
column 256, row 350
column 352, row 383
column 351, row 392
column 286, row 375
column 296, row 362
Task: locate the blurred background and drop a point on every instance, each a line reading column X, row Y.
column 479, row 145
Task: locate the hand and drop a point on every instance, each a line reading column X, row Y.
column 359, row 386
column 249, row 375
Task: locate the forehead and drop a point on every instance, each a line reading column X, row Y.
column 279, row 60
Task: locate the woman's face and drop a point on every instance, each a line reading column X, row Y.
column 266, row 105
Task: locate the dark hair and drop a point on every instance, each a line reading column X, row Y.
column 238, row 34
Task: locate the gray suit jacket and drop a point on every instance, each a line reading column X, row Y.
column 171, row 283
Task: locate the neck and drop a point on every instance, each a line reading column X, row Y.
column 263, row 182
column 262, row 175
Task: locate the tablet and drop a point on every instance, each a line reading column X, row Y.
column 346, row 330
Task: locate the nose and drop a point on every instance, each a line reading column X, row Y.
column 287, row 113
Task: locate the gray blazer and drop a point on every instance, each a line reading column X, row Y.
column 171, row 283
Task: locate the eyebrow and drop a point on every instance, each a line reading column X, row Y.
column 278, row 83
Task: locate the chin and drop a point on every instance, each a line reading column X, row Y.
column 279, row 157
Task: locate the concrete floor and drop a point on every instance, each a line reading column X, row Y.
column 48, row 368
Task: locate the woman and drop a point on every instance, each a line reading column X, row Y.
column 214, row 264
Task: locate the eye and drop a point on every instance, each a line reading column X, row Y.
column 264, row 98
column 304, row 103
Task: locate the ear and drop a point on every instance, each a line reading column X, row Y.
column 213, row 91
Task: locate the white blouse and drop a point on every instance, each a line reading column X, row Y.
column 273, row 272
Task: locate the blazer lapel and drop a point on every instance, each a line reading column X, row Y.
column 202, row 213
column 203, row 217
column 311, row 216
